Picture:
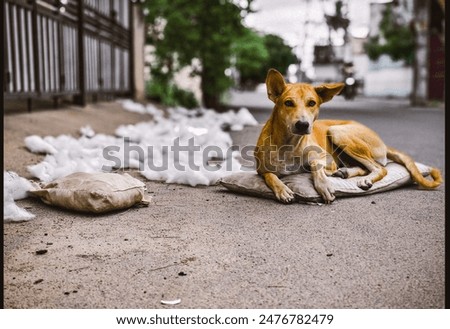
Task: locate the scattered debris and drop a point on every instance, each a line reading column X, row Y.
column 66, row 154
column 87, row 131
column 275, row 286
column 171, row 302
column 187, row 260
column 15, row 188
column 37, row 144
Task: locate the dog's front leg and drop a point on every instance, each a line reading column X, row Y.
column 321, row 182
column 282, row 192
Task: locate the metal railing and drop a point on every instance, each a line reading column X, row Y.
column 79, row 48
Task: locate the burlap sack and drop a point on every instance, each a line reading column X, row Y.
column 93, row 192
column 251, row 183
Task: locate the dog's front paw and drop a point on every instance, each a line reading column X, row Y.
column 284, row 194
column 364, row 184
column 326, row 191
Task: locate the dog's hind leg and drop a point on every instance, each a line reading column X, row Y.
column 377, row 172
column 348, row 172
column 365, row 147
column 373, row 171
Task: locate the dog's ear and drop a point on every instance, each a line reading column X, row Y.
column 327, row 91
column 275, row 84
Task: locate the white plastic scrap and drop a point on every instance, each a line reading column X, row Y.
column 15, row 188
column 156, row 138
column 131, row 106
column 87, row 131
column 37, row 145
column 171, row 302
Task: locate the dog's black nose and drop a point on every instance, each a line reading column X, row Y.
column 302, row 125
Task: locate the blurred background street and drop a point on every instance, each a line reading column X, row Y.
column 194, row 54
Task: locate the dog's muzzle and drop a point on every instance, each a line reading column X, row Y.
column 302, row 128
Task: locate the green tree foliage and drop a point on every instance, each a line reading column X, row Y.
column 256, row 54
column 280, row 54
column 395, row 40
column 183, row 31
column 251, row 55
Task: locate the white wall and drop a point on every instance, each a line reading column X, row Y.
column 184, row 80
column 395, row 81
column 327, row 72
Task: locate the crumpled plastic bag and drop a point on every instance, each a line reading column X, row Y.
column 93, row 192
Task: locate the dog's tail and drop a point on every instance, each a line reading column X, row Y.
column 408, row 162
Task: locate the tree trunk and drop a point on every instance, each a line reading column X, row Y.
column 210, row 100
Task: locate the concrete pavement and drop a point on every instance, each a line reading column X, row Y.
column 215, row 249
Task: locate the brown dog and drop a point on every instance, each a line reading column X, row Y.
column 293, row 140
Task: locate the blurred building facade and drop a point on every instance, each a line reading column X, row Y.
column 422, row 81
column 386, row 77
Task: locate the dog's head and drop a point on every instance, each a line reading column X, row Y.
column 298, row 104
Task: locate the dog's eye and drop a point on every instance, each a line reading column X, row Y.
column 311, row 103
column 289, row 103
